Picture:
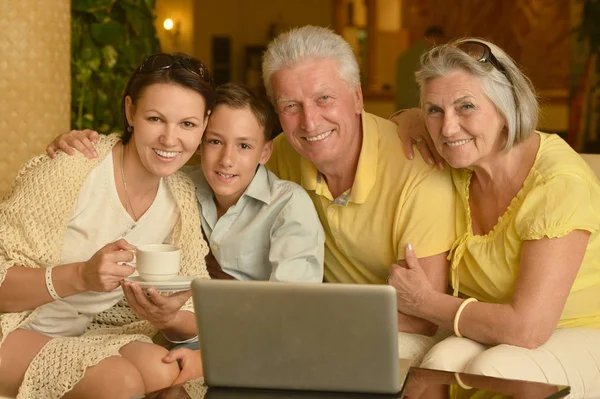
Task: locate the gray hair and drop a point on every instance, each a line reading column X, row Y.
column 309, row 42
column 511, row 92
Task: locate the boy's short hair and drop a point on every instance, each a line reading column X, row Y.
column 239, row 96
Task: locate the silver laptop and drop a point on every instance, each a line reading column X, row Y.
column 299, row 336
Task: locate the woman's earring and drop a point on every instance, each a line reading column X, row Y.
column 130, row 128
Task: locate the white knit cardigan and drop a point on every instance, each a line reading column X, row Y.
column 33, row 220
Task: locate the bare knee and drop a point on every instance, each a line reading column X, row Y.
column 147, row 358
column 113, row 377
column 19, row 348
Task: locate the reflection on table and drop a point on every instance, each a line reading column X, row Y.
column 421, row 384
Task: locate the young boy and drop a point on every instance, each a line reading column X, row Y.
column 258, row 226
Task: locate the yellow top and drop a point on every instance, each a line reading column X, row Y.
column 559, row 195
column 392, row 202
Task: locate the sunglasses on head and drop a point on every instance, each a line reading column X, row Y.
column 165, row 61
column 482, row 53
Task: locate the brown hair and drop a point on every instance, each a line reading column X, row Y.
column 238, row 96
column 178, row 74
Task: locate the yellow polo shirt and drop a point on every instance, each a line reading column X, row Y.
column 393, row 202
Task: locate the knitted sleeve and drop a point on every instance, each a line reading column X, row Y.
column 35, row 211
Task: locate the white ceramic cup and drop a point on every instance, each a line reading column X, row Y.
column 157, row 262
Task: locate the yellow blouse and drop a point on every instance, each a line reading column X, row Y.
column 560, row 194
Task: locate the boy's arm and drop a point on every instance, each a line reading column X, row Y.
column 297, row 242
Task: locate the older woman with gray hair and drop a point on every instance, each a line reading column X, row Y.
column 525, row 269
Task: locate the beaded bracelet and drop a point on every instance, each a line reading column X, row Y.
column 458, row 313
column 50, row 285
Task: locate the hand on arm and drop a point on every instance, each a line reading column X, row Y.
column 547, row 271
column 414, row 279
column 80, row 140
column 412, row 130
column 25, row 288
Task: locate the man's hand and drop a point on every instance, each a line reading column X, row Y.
column 412, row 130
column 190, row 363
column 159, row 310
column 80, row 140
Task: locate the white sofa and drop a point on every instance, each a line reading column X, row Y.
column 594, row 161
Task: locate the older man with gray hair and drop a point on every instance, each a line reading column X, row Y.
column 374, row 204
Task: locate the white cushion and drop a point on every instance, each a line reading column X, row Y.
column 593, row 161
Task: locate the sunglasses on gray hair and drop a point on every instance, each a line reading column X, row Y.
column 481, row 52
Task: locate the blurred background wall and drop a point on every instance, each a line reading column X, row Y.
column 555, row 41
column 35, row 90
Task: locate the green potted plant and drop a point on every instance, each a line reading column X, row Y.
column 109, row 38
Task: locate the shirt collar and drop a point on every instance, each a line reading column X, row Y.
column 203, row 190
column 366, row 171
column 259, row 188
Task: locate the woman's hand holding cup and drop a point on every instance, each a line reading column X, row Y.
column 105, row 270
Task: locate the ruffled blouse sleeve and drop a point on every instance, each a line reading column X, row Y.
column 558, row 205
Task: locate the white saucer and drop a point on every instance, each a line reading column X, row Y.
column 178, row 283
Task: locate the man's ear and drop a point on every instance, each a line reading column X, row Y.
column 266, row 152
column 358, row 100
column 129, row 110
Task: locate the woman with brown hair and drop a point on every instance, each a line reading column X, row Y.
column 68, row 228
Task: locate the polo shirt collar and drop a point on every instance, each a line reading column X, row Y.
column 260, row 187
column 366, row 171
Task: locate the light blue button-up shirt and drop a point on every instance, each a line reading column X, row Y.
column 272, row 233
